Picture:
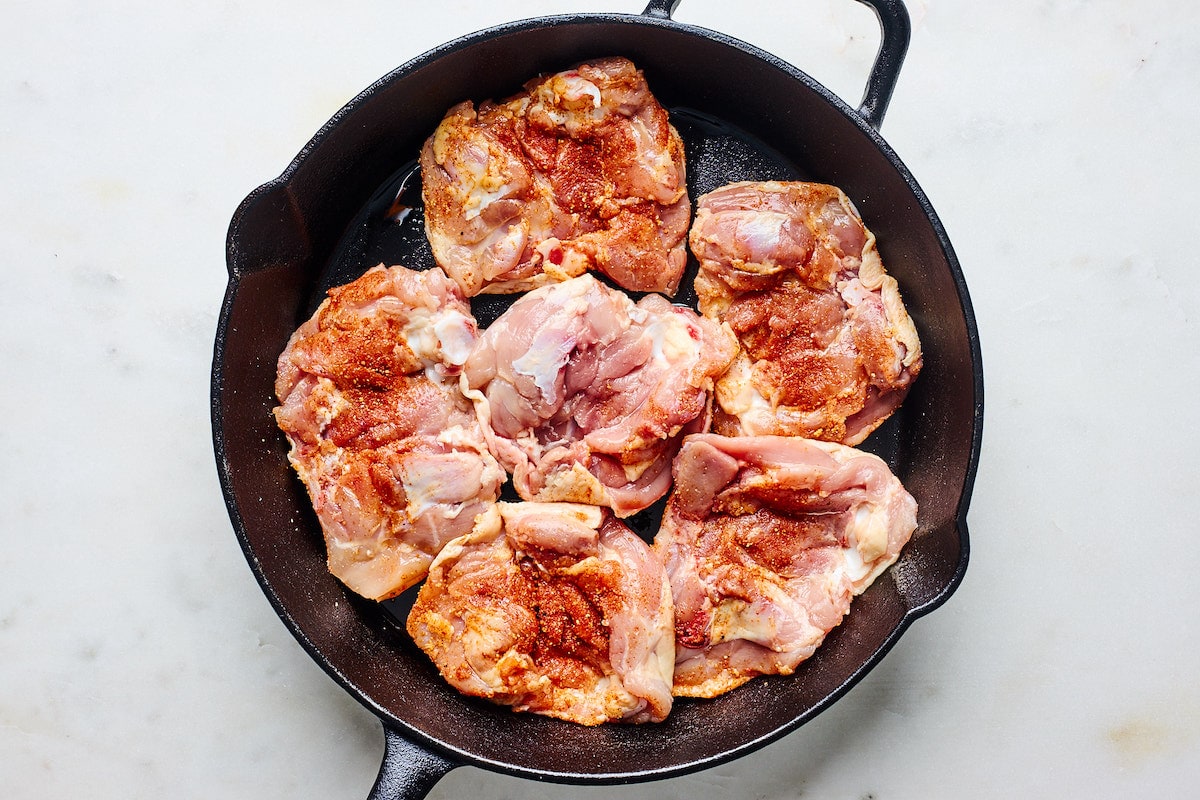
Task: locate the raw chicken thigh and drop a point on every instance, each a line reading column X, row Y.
column 553, row 608
column 585, row 395
column 767, row 540
column 581, row 171
column 828, row 349
column 390, row 451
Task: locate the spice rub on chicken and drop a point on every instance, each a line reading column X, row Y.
column 580, row 171
column 551, row 608
column 828, row 349
column 390, row 451
column 766, row 540
column 585, row 395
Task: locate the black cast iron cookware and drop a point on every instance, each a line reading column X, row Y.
column 744, row 114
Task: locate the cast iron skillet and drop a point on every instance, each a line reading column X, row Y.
column 744, row 114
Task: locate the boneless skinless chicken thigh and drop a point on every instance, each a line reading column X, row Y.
column 390, row 451
column 828, row 349
column 766, row 540
column 584, row 395
column 553, row 608
column 580, row 171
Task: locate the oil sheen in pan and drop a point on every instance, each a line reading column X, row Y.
column 391, row 229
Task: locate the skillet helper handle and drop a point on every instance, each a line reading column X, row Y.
column 408, row 771
column 896, row 29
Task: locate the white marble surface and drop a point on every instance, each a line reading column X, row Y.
column 1058, row 140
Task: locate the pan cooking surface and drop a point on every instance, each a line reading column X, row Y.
column 390, row 229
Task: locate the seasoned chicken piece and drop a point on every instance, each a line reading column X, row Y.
column 828, row 349
column 585, row 396
column 390, row 451
column 581, row 171
column 553, row 608
column 767, row 540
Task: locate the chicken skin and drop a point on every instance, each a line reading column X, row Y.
column 390, row 451
column 828, row 349
column 580, row 171
column 585, row 395
column 551, row 608
column 767, row 540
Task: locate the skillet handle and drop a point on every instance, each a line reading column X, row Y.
column 660, row 8
column 408, row 772
column 895, row 29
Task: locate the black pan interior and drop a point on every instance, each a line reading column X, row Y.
column 743, row 115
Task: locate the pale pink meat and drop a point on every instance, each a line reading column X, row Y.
column 828, row 349
column 766, row 541
column 390, row 451
column 551, row 608
column 585, row 395
column 580, row 171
